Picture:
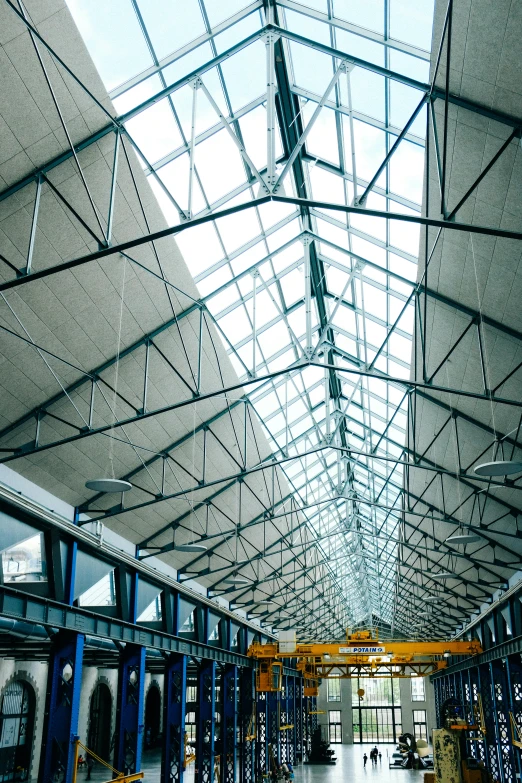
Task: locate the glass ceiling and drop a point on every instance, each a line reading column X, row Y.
column 205, row 147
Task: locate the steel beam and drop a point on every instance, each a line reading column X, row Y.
column 229, row 724
column 174, row 700
column 248, row 726
column 206, row 723
column 62, row 707
column 129, row 709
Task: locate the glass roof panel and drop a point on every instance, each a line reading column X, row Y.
column 340, row 424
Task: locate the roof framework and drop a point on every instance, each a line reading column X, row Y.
column 305, row 465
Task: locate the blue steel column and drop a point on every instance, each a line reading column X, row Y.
column 262, row 733
column 283, row 719
column 437, row 692
column 481, row 748
column 129, row 709
column 274, row 734
column 291, row 719
column 313, row 708
column 206, row 723
column 514, row 691
column 299, row 721
column 493, row 749
column 174, row 696
column 248, row 725
column 502, row 723
column 62, row 705
column 229, row 682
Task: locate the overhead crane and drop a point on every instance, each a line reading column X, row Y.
column 361, row 654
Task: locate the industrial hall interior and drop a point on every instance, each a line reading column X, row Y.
column 261, row 391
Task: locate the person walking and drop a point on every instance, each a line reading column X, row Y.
column 380, row 756
column 365, row 759
column 90, row 764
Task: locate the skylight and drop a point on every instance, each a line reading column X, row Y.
column 205, row 148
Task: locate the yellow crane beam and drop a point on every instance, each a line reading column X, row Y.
column 360, row 655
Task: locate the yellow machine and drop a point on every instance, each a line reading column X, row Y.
column 360, row 655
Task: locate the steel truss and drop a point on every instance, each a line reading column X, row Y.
column 367, row 491
column 225, row 675
column 496, row 676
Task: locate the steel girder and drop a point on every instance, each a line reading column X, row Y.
column 62, row 706
column 129, row 710
column 296, row 38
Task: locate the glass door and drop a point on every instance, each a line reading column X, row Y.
column 335, row 729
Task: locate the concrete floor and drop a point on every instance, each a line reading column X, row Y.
column 349, row 767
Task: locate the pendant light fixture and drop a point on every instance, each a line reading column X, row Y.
column 499, row 468
column 191, row 546
column 107, row 485
column 235, row 580
column 462, row 538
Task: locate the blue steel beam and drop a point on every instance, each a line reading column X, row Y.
column 206, row 723
column 262, row 720
column 62, row 705
column 229, row 724
column 248, row 726
column 129, row 709
column 174, row 696
column 274, row 735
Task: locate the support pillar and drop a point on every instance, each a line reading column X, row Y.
column 262, row 733
column 248, row 724
column 62, row 705
column 206, row 723
column 291, row 718
column 481, row 748
column 174, row 695
column 493, row 749
column 299, row 722
column 229, row 685
column 502, row 721
column 514, row 689
column 274, row 735
column 283, row 720
column 129, row 709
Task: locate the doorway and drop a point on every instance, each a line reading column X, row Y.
column 152, row 717
column 17, row 708
column 100, row 721
column 335, row 728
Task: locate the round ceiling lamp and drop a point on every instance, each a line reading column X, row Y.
column 236, row 580
column 443, row 575
column 193, row 547
column 434, row 599
column 265, row 602
column 499, row 468
column 463, row 538
column 107, row 485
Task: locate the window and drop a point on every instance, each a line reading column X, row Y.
column 192, row 693
column 190, row 726
column 420, row 726
column 152, row 613
column 102, row 593
column 333, row 689
column 25, row 561
column 376, row 714
column 418, row 689
column 188, row 626
column 17, row 705
column 335, row 728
